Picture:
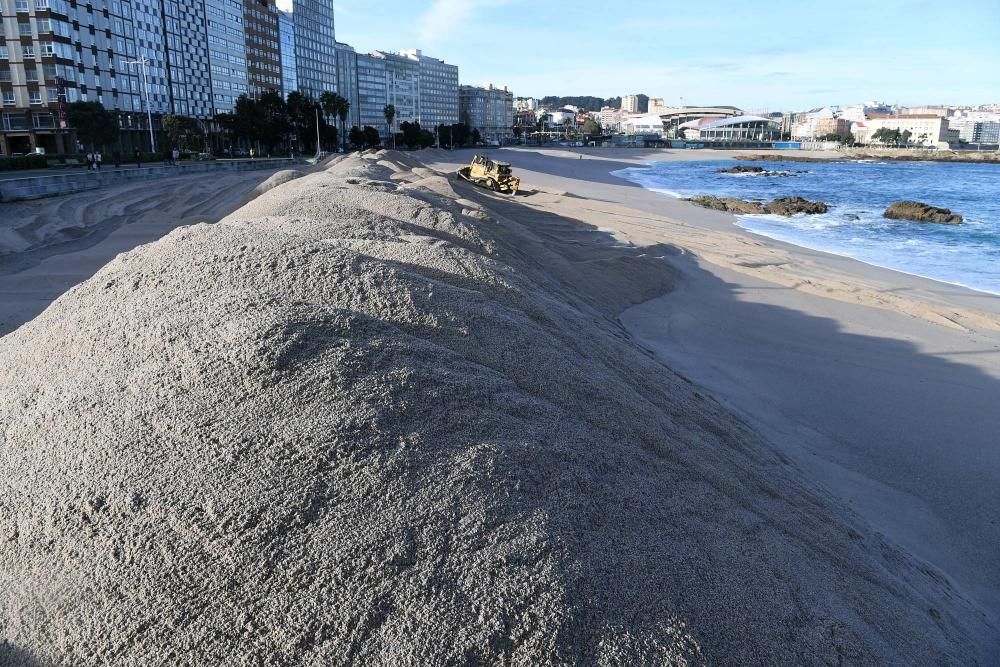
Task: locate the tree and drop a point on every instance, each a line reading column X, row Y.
column 518, row 131
column 411, row 133
column 426, row 138
column 94, row 125
column 476, row 137
column 372, row 138
column 357, row 137
column 336, row 106
column 343, row 109
column 846, row 139
column 389, row 111
column 300, row 117
column 273, row 114
column 591, row 127
column 182, row 131
column 884, row 135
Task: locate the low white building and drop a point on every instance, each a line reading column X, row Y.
column 644, row 123
column 927, row 130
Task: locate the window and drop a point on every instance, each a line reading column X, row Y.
column 8, row 98
column 4, row 75
column 41, row 4
column 53, row 94
column 34, row 97
column 43, row 26
column 24, row 28
column 21, row 5
column 46, row 49
column 28, row 51
column 30, row 73
column 3, row 52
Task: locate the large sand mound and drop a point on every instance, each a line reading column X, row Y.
column 361, row 421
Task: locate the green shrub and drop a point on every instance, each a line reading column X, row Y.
column 33, row 161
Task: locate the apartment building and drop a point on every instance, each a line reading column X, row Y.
column 315, row 54
column 263, row 47
column 438, row 91
column 489, row 109
column 53, row 53
column 286, row 53
column 421, row 88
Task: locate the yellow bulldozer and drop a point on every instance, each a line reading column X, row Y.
column 491, row 174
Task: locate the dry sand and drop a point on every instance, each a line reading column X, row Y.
column 882, row 385
column 374, row 418
column 49, row 245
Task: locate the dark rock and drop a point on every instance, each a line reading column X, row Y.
column 743, row 170
column 789, row 206
column 786, row 206
column 920, row 212
column 852, row 217
column 729, row 205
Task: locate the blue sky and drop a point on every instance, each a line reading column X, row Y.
column 774, row 55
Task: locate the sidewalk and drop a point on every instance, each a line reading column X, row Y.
column 41, row 183
column 108, row 166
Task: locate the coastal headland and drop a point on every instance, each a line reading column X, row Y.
column 379, row 416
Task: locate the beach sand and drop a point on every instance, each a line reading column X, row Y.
column 881, row 384
column 517, row 445
column 49, row 245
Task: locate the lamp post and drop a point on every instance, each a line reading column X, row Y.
column 142, row 62
column 317, row 132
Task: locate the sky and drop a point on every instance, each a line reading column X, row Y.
column 761, row 56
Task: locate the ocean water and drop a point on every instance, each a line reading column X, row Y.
column 858, row 194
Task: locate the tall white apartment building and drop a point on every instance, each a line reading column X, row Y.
column 421, row 88
column 630, row 103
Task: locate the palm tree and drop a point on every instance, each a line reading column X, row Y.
column 390, row 114
column 329, row 102
column 343, row 108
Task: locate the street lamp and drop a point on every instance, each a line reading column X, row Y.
column 145, row 85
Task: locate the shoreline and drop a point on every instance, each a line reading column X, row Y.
column 880, row 383
column 744, row 222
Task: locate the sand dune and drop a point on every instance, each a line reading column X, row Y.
column 372, row 418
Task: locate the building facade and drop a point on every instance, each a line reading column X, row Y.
column 630, row 103
column 286, row 53
column 438, row 90
column 928, row 130
column 488, row 109
column 53, row 53
column 422, row 89
column 227, row 53
column 347, row 81
column 373, row 92
column 315, row 53
column 263, row 47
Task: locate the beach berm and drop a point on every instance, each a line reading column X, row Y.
column 367, row 420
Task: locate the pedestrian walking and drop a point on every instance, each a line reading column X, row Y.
column 251, row 152
column 138, row 158
column 90, row 161
column 176, row 155
column 97, row 160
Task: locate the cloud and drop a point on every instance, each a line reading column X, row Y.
column 448, row 17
